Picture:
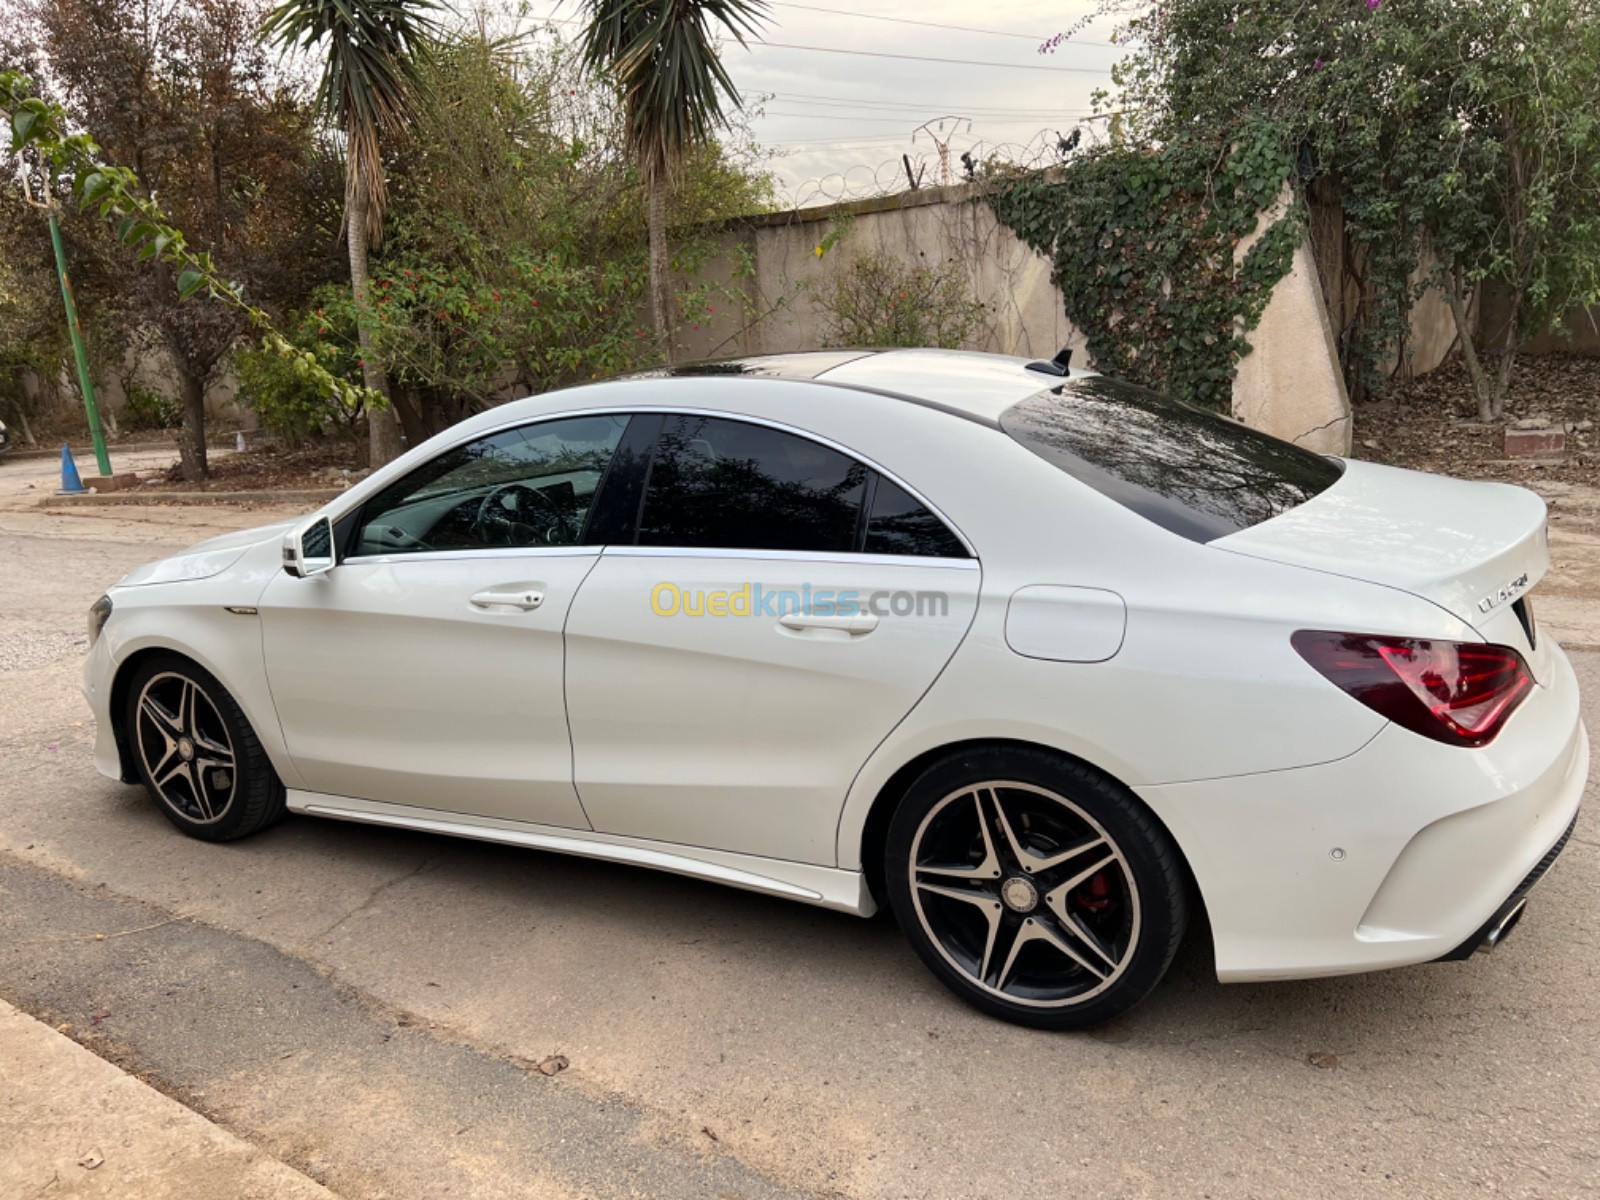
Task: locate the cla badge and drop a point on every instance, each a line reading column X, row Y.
column 1508, row 593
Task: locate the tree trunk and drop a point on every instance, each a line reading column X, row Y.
column 660, row 279
column 1502, row 377
column 192, row 439
column 1469, row 351
column 383, row 430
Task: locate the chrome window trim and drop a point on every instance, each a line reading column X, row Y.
column 679, row 411
column 586, row 551
column 813, row 556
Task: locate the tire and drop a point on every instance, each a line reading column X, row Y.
column 196, row 753
column 1061, row 910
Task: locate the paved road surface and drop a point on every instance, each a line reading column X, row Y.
column 367, row 1005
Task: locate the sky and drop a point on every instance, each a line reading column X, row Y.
column 836, row 123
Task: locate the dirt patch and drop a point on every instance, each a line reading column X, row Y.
column 273, row 468
column 1423, row 424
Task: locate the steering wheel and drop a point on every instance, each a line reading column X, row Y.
column 530, row 518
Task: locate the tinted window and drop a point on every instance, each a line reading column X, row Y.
column 530, row 486
column 899, row 524
column 716, row 483
column 1194, row 472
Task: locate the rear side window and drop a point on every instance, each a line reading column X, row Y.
column 1190, row 471
column 899, row 524
column 720, row 484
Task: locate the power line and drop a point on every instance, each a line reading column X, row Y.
column 903, row 121
column 755, row 44
column 805, row 98
column 839, row 12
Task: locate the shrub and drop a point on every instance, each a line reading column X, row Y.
column 880, row 301
column 145, row 408
column 289, row 402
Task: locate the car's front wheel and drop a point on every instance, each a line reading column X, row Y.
column 196, row 753
column 1033, row 887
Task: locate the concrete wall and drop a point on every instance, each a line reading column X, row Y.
column 1288, row 385
column 772, row 262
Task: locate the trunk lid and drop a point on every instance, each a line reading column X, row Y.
column 1473, row 548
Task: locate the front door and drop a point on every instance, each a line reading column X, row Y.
column 426, row 668
column 782, row 608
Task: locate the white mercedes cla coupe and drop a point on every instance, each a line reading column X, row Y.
column 1046, row 663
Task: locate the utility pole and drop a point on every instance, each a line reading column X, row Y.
column 85, row 381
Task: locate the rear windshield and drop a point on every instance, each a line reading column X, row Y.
column 1194, row 472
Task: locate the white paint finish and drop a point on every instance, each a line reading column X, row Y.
column 392, row 684
column 1453, row 541
column 1066, row 624
column 826, row 887
column 984, row 385
column 738, row 732
column 769, row 743
column 1281, row 907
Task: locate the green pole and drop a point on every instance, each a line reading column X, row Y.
column 85, row 383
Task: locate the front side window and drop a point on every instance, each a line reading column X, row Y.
column 721, row 484
column 526, row 487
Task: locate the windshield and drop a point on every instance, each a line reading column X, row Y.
column 1196, row 473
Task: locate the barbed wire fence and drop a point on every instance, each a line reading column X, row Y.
column 936, row 159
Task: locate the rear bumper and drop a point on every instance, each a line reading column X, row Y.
column 1491, row 932
column 1401, row 853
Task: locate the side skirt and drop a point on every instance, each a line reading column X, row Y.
column 826, row 887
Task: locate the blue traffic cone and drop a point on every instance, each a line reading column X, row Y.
column 71, row 485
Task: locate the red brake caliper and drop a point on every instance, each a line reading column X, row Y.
column 1095, row 894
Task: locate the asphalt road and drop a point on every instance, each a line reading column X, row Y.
column 369, row 1005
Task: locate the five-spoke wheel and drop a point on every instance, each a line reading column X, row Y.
column 196, row 753
column 1034, row 887
column 184, row 747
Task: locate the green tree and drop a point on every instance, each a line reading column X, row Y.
column 184, row 94
column 516, row 255
column 370, row 90
column 1459, row 133
column 662, row 57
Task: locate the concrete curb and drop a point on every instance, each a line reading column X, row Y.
column 75, row 1125
column 316, row 496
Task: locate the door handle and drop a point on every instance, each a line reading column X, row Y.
column 524, row 598
column 852, row 624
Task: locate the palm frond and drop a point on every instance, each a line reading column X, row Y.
column 372, row 55
column 663, row 56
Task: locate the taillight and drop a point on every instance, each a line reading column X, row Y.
column 1459, row 693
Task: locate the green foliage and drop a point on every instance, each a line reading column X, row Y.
column 1459, row 137
column 516, row 259
column 288, row 400
column 881, row 301
column 1142, row 243
column 73, row 162
column 664, row 59
column 144, row 408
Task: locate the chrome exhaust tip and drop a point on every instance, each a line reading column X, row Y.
column 1503, row 926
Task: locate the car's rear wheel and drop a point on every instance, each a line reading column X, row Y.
column 196, row 753
column 1036, row 889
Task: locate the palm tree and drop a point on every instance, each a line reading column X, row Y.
column 661, row 55
column 371, row 82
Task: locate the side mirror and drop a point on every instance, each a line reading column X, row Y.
column 308, row 551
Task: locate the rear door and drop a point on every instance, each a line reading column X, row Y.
column 773, row 610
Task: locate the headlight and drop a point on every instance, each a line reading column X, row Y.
column 99, row 611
